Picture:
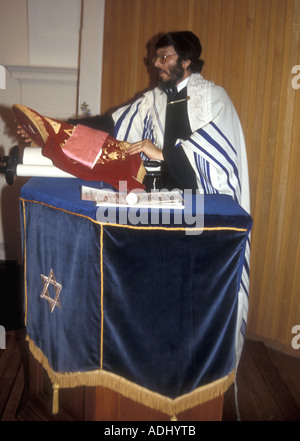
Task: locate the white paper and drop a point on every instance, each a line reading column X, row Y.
column 159, row 199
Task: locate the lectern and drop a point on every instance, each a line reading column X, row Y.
column 135, row 315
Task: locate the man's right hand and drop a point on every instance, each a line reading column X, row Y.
column 23, row 134
column 147, row 147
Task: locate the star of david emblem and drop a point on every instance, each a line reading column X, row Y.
column 50, row 280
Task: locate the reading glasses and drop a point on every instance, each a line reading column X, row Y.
column 162, row 58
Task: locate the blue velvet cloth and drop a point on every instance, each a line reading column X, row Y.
column 155, row 306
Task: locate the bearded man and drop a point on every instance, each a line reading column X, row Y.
column 194, row 130
column 191, row 125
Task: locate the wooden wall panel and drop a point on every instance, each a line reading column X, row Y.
column 249, row 47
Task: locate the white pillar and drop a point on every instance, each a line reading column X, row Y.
column 91, row 50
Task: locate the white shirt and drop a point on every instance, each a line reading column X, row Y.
column 183, row 83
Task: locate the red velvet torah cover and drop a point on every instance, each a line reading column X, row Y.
column 101, row 158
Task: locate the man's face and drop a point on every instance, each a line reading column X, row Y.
column 170, row 71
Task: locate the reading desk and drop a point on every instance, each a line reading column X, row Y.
column 145, row 310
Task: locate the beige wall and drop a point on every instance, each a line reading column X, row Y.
column 52, row 53
column 13, row 50
column 41, row 65
column 14, row 32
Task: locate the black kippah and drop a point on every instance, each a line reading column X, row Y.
column 191, row 39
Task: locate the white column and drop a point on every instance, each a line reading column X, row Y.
column 91, row 50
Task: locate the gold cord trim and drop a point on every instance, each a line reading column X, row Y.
column 101, row 296
column 136, row 227
column 153, row 400
column 24, row 250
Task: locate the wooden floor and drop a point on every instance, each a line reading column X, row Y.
column 268, row 385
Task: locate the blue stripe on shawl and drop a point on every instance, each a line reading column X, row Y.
column 219, row 163
column 223, row 136
column 121, row 119
column 202, row 180
column 157, row 113
column 130, row 122
column 207, row 169
column 246, row 266
column 148, row 128
column 204, row 173
column 245, row 288
column 209, row 139
column 243, row 327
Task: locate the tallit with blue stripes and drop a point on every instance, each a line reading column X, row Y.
column 216, row 151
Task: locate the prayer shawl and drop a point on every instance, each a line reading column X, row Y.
column 216, row 151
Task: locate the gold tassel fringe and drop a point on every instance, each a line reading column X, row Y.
column 153, row 400
column 55, row 405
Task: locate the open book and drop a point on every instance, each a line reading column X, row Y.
column 157, row 199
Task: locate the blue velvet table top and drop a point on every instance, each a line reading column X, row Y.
column 154, row 307
column 65, row 194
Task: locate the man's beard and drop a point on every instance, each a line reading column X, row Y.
column 176, row 74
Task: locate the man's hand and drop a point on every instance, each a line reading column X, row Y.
column 147, row 147
column 23, row 134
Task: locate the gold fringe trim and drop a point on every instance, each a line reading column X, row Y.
column 153, row 400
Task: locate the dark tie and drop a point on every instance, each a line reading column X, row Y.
column 177, row 123
column 171, row 93
column 177, row 126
